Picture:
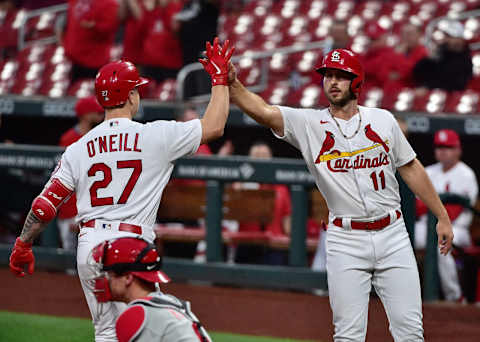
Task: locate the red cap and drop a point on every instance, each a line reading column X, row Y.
column 87, row 105
column 374, row 31
column 446, row 138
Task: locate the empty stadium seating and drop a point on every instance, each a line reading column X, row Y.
column 261, row 25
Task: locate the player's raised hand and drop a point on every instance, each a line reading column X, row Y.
column 232, row 73
column 216, row 63
column 21, row 256
column 445, row 236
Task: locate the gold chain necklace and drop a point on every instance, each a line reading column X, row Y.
column 338, row 125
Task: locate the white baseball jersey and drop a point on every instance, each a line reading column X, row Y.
column 356, row 176
column 120, row 168
column 459, row 180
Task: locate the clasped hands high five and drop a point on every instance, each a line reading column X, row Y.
column 217, row 61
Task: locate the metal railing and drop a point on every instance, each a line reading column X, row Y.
column 22, row 43
column 431, row 26
column 263, row 55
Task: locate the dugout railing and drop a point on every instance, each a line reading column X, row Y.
column 431, row 280
column 25, row 168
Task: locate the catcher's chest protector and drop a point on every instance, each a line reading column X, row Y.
column 167, row 304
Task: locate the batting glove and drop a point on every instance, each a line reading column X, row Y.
column 21, row 256
column 216, row 63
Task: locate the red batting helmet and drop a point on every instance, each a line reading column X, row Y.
column 346, row 60
column 114, row 82
column 125, row 255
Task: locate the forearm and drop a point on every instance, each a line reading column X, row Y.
column 418, row 181
column 251, row 104
column 31, row 228
column 135, row 9
column 215, row 117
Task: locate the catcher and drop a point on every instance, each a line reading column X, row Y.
column 128, row 269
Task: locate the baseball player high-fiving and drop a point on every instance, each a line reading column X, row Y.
column 118, row 171
column 353, row 152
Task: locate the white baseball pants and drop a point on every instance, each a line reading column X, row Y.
column 358, row 259
column 104, row 315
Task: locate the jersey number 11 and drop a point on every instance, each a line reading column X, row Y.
column 381, row 175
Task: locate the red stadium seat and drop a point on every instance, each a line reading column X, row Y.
column 28, row 79
column 82, row 88
column 308, row 96
column 276, row 94
column 55, row 89
column 249, row 76
column 462, row 102
column 369, row 10
column 305, row 62
column 279, row 67
column 400, row 101
column 166, row 90
column 287, row 8
column 432, row 102
column 372, row 97
column 314, row 9
column 319, row 28
column 342, row 10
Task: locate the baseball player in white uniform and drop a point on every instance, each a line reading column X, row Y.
column 449, row 175
column 128, row 270
column 353, row 153
column 119, row 170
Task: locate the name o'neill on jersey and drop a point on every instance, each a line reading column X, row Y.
column 113, row 143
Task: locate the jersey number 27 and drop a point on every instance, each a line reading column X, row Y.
column 96, row 201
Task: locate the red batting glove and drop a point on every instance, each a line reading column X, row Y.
column 216, row 63
column 21, row 255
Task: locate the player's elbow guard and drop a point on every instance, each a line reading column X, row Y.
column 45, row 205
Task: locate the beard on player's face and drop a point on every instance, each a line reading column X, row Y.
column 341, row 99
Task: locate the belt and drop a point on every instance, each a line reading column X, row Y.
column 125, row 227
column 369, row 225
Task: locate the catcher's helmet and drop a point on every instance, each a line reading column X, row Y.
column 125, row 255
column 114, row 82
column 346, row 60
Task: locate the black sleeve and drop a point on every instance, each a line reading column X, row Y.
column 424, row 72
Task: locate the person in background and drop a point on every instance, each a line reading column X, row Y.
column 196, row 14
column 379, row 59
column 89, row 35
column 89, row 114
column 280, row 225
column 162, row 52
column 449, row 175
column 338, row 37
column 8, row 33
column 119, row 184
column 128, row 270
column 449, row 65
column 409, row 51
column 135, row 14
